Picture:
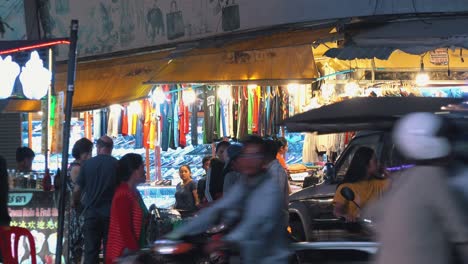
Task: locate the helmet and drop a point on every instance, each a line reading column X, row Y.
column 420, row 136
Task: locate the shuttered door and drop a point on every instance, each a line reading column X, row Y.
column 10, row 137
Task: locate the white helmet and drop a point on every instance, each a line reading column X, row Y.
column 418, row 136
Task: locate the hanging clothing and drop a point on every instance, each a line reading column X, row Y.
column 172, row 103
column 194, row 124
column 147, row 112
column 97, row 124
column 183, row 123
column 261, row 112
column 235, row 110
column 88, row 124
column 255, row 112
column 139, row 129
column 309, row 150
column 166, row 120
column 242, row 129
column 125, row 121
column 103, row 122
column 177, row 98
column 250, row 109
column 113, row 122
column 209, row 109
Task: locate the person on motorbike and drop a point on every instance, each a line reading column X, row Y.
column 420, row 220
column 255, row 200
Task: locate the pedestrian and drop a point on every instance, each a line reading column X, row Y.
column 215, row 176
column 24, row 159
column 201, row 184
column 278, row 173
column 252, row 209
column 97, row 182
column 232, row 174
column 81, row 151
column 129, row 215
column 186, row 193
column 421, row 220
column 282, row 150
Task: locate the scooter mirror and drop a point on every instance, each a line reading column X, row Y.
column 347, row 193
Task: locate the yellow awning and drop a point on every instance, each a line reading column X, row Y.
column 102, row 83
column 278, row 57
column 19, row 105
column 265, row 65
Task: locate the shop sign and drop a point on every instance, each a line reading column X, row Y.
column 247, row 57
column 19, row 199
column 36, row 211
column 439, row 57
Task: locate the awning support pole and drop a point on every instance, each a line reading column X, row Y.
column 66, row 136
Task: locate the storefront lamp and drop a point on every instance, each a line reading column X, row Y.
column 158, row 95
column 9, row 70
column 189, row 96
column 224, row 92
column 35, row 78
column 351, row 89
column 422, row 79
column 252, row 86
column 293, row 88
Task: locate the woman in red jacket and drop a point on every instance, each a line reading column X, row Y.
column 128, row 212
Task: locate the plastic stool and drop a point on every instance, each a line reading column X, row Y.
column 6, row 233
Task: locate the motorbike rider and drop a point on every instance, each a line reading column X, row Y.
column 256, row 201
column 420, row 219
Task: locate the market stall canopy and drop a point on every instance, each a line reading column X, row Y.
column 14, row 105
column 417, row 36
column 363, row 113
column 105, row 82
column 279, row 57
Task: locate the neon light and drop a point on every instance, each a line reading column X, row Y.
column 37, row 46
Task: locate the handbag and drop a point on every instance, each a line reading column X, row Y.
column 230, row 16
column 174, row 22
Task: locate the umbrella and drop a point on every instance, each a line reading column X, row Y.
column 364, row 113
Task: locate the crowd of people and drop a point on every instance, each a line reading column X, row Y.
column 247, row 184
column 108, row 210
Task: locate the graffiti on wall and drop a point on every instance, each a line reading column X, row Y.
column 12, row 23
column 112, row 25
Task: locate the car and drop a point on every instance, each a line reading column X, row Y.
column 311, row 215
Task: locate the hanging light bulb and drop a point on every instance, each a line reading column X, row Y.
column 158, row 95
column 351, row 89
column 224, row 92
column 134, row 108
column 251, row 86
column 293, row 88
column 422, row 78
column 9, row 70
column 189, row 96
column 35, row 78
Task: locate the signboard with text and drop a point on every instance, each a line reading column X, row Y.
column 36, row 211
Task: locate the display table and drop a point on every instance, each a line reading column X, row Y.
column 36, row 210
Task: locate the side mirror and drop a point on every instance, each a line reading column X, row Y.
column 347, row 193
column 329, row 172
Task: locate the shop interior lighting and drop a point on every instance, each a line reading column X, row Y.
column 252, row 86
column 9, row 70
column 422, row 78
column 35, row 78
column 351, row 89
column 224, row 92
column 158, row 95
column 292, row 88
column 188, row 96
column 134, row 108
